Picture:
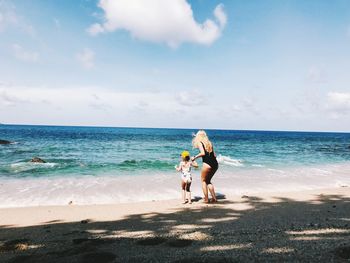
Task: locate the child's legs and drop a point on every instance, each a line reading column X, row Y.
column 188, row 190
column 183, row 187
column 188, row 186
column 189, row 197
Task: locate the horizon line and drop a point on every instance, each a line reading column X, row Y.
column 171, row 128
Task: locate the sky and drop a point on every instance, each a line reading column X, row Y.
column 229, row 64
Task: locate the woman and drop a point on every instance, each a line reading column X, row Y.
column 210, row 164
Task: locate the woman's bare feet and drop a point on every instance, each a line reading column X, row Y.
column 214, row 200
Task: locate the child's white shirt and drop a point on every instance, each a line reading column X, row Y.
column 186, row 171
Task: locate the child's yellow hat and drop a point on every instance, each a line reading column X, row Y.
column 185, row 154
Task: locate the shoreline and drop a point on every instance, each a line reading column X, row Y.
column 292, row 226
column 8, row 215
column 99, row 190
column 197, row 199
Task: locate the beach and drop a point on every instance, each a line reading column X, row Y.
column 174, row 131
column 100, row 197
column 310, row 225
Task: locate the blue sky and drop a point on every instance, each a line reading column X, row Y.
column 273, row 65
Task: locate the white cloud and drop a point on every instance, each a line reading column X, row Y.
column 95, row 29
column 99, row 104
column 85, row 106
column 160, row 21
column 191, row 98
column 235, row 108
column 250, row 105
column 95, row 105
column 338, row 103
column 82, row 97
column 24, row 55
column 7, row 18
column 86, row 58
column 10, row 19
column 308, row 101
column 220, row 15
column 317, row 74
column 6, row 99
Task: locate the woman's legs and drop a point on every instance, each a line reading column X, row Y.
column 211, row 186
column 205, row 191
column 212, row 192
column 207, row 174
column 206, row 171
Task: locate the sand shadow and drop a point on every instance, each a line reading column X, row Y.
column 284, row 231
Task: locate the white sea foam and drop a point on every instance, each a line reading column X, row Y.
column 258, row 165
column 161, row 186
column 226, row 160
column 27, row 166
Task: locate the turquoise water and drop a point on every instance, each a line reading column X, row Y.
column 96, row 151
column 96, row 165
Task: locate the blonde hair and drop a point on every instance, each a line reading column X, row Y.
column 201, row 137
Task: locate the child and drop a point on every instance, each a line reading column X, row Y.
column 185, row 167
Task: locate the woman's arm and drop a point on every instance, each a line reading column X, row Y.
column 201, row 152
column 195, row 164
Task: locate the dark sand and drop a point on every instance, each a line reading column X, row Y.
column 309, row 226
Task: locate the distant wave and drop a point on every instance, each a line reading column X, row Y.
column 144, row 164
column 27, row 166
column 229, row 161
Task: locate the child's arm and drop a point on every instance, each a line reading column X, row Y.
column 195, row 164
column 179, row 167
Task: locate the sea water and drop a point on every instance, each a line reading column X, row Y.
column 94, row 165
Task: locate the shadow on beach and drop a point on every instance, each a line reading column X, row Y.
column 284, row 230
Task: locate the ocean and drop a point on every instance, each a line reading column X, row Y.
column 95, row 165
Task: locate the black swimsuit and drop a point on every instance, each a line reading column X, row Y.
column 210, row 159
